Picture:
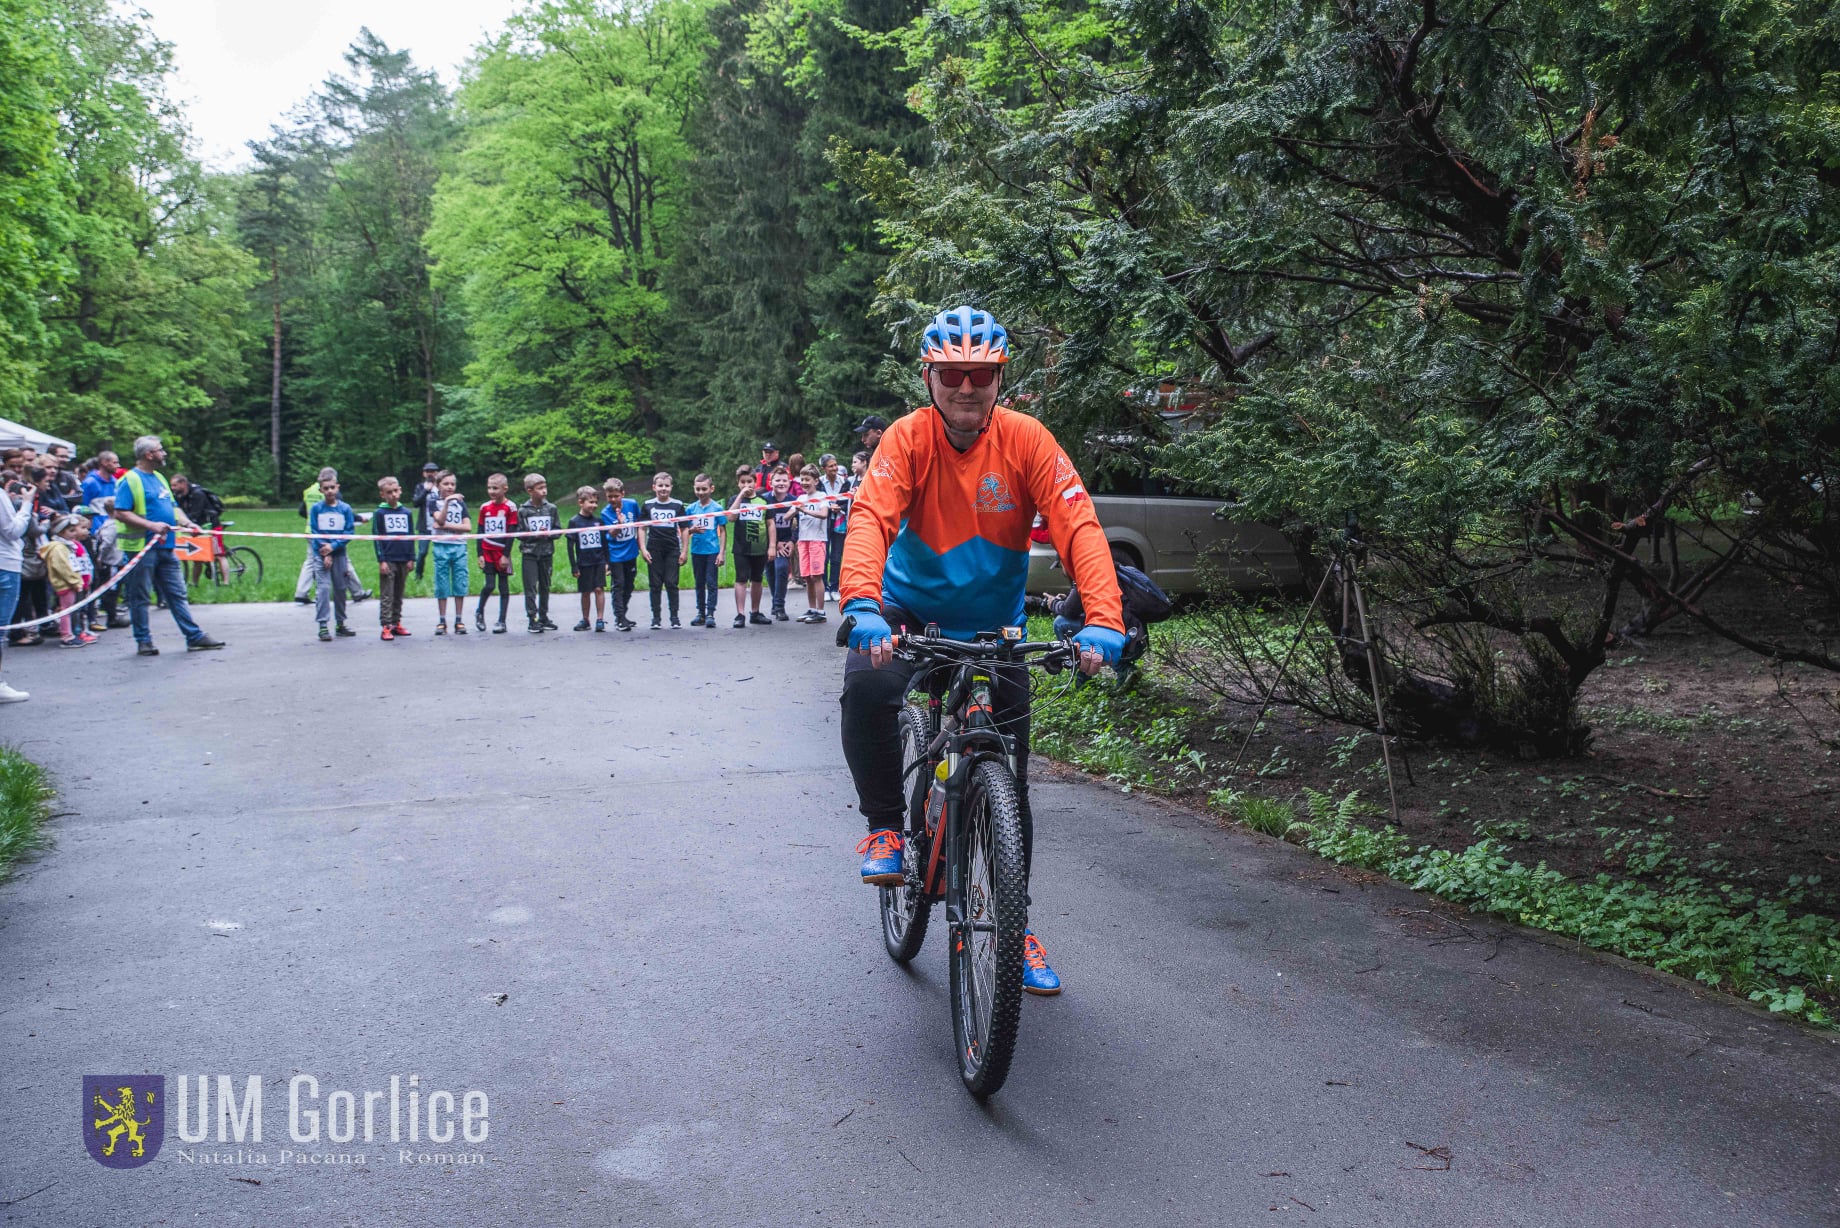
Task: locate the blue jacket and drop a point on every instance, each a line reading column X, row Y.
column 619, row 551
column 329, row 518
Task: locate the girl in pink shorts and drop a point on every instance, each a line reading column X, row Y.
column 814, row 535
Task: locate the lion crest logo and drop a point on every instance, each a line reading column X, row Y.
column 993, row 495
column 124, row 1118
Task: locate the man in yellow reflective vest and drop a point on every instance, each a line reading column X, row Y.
column 144, row 501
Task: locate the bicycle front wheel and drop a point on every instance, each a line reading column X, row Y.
column 986, row 957
column 905, row 908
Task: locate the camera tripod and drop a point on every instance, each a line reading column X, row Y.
column 1343, row 568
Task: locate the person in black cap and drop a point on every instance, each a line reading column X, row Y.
column 763, row 472
column 871, row 428
column 424, row 490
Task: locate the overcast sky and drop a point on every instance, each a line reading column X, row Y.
column 244, row 63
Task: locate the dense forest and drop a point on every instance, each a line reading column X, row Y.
column 618, row 242
column 1523, row 288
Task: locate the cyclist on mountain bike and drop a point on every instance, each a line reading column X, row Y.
column 939, row 533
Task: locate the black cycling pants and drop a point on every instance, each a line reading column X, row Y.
column 872, row 701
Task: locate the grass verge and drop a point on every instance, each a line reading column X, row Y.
column 1762, row 948
column 25, row 803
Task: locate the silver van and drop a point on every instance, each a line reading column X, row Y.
column 1168, row 535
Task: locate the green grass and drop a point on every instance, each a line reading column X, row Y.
column 1752, row 946
column 25, row 803
column 281, row 560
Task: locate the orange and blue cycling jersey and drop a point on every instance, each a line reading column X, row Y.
column 944, row 534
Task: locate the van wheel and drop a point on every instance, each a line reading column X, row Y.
column 1126, row 557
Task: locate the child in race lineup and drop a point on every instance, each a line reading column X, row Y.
column 393, row 524
column 753, row 545
column 785, row 540
column 708, row 539
column 663, row 546
column 814, row 531
column 496, row 515
column 538, row 515
column 447, row 515
column 327, row 555
column 621, row 516
column 835, row 483
column 588, row 558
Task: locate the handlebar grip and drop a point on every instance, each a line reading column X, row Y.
column 843, row 631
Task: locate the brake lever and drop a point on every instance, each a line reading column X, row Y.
column 843, row 630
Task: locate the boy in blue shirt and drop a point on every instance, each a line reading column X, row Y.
column 326, row 555
column 621, row 515
column 708, row 539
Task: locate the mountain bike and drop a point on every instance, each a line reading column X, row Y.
column 963, row 836
column 234, row 565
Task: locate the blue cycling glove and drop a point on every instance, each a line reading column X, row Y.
column 871, row 628
column 1109, row 644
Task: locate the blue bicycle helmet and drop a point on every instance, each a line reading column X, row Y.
column 964, row 334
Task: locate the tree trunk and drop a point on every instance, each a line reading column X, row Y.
column 427, row 394
column 274, row 385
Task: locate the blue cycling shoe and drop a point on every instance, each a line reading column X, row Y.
column 1037, row 977
column 881, row 863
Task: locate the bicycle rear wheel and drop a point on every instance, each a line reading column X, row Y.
column 986, row 957
column 242, row 566
column 905, row 908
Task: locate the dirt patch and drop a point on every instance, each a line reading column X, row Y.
column 1699, row 762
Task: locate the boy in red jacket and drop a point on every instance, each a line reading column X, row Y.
column 497, row 516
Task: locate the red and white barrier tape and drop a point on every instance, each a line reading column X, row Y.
column 728, row 514
column 121, row 574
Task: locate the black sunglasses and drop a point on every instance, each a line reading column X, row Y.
column 952, row 377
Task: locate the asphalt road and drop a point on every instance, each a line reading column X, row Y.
column 608, row 881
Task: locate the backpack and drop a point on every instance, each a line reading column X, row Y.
column 1142, row 597
column 211, row 507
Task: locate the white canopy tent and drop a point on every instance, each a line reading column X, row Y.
column 18, row 435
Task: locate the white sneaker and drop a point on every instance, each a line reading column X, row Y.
column 9, row 696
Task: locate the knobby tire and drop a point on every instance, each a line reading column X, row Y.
column 905, row 909
column 989, row 998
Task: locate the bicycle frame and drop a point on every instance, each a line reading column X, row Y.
column 971, row 736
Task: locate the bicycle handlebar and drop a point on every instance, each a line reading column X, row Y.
column 1056, row 653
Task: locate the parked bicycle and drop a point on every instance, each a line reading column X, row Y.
column 964, row 836
column 232, row 565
